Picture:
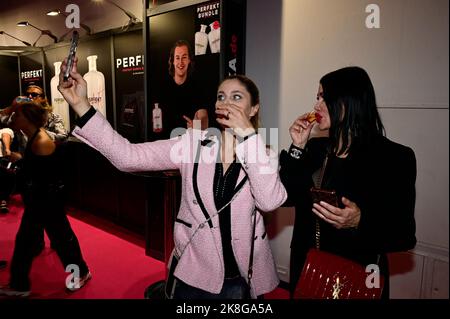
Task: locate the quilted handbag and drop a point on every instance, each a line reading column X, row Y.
column 328, row 276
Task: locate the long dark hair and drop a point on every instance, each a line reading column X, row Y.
column 350, row 99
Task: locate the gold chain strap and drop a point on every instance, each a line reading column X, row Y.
column 317, row 233
column 319, row 185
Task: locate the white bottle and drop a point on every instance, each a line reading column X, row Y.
column 59, row 104
column 95, row 86
column 214, row 37
column 157, row 119
column 201, row 40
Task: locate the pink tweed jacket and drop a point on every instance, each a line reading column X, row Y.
column 200, row 258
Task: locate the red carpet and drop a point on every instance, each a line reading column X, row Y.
column 120, row 268
column 116, row 258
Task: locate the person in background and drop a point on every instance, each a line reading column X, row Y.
column 6, row 135
column 224, row 188
column 54, row 127
column 55, row 124
column 374, row 178
column 6, row 174
column 181, row 93
column 43, row 198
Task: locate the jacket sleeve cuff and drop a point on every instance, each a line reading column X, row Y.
column 86, row 117
column 296, row 152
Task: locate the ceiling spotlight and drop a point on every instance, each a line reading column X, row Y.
column 46, row 32
column 133, row 20
column 56, row 12
column 53, row 13
column 24, row 42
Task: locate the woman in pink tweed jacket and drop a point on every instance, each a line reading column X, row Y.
column 205, row 162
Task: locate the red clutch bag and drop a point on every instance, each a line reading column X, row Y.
column 328, row 276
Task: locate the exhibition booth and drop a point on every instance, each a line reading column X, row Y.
column 126, row 69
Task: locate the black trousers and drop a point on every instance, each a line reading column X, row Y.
column 7, row 183
column 43, row 211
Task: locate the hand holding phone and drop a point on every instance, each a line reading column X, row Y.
column 71, row 56
column 328, row 196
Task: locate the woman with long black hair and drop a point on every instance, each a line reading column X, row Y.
column 373, row 177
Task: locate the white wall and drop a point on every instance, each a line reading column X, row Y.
column 292, row 43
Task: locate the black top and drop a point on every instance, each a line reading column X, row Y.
column 41, row 173
column 379, row 178
column 224, row 186
column 178, row 100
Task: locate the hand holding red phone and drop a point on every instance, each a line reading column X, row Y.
column 347, row 217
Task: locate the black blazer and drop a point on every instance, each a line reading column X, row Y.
column 379, row 178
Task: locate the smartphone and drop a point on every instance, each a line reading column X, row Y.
column 328, row 196
column 71, row 56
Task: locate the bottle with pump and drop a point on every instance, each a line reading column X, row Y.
column 214, row 37
column 157, row 119
column 95, row 86
column 201, row 40
column 59, row 104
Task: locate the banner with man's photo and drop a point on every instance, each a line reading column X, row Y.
column 177, row 88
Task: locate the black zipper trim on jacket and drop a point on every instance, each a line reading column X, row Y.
column 183, row 222
column 195, row 185
column 239, row 186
